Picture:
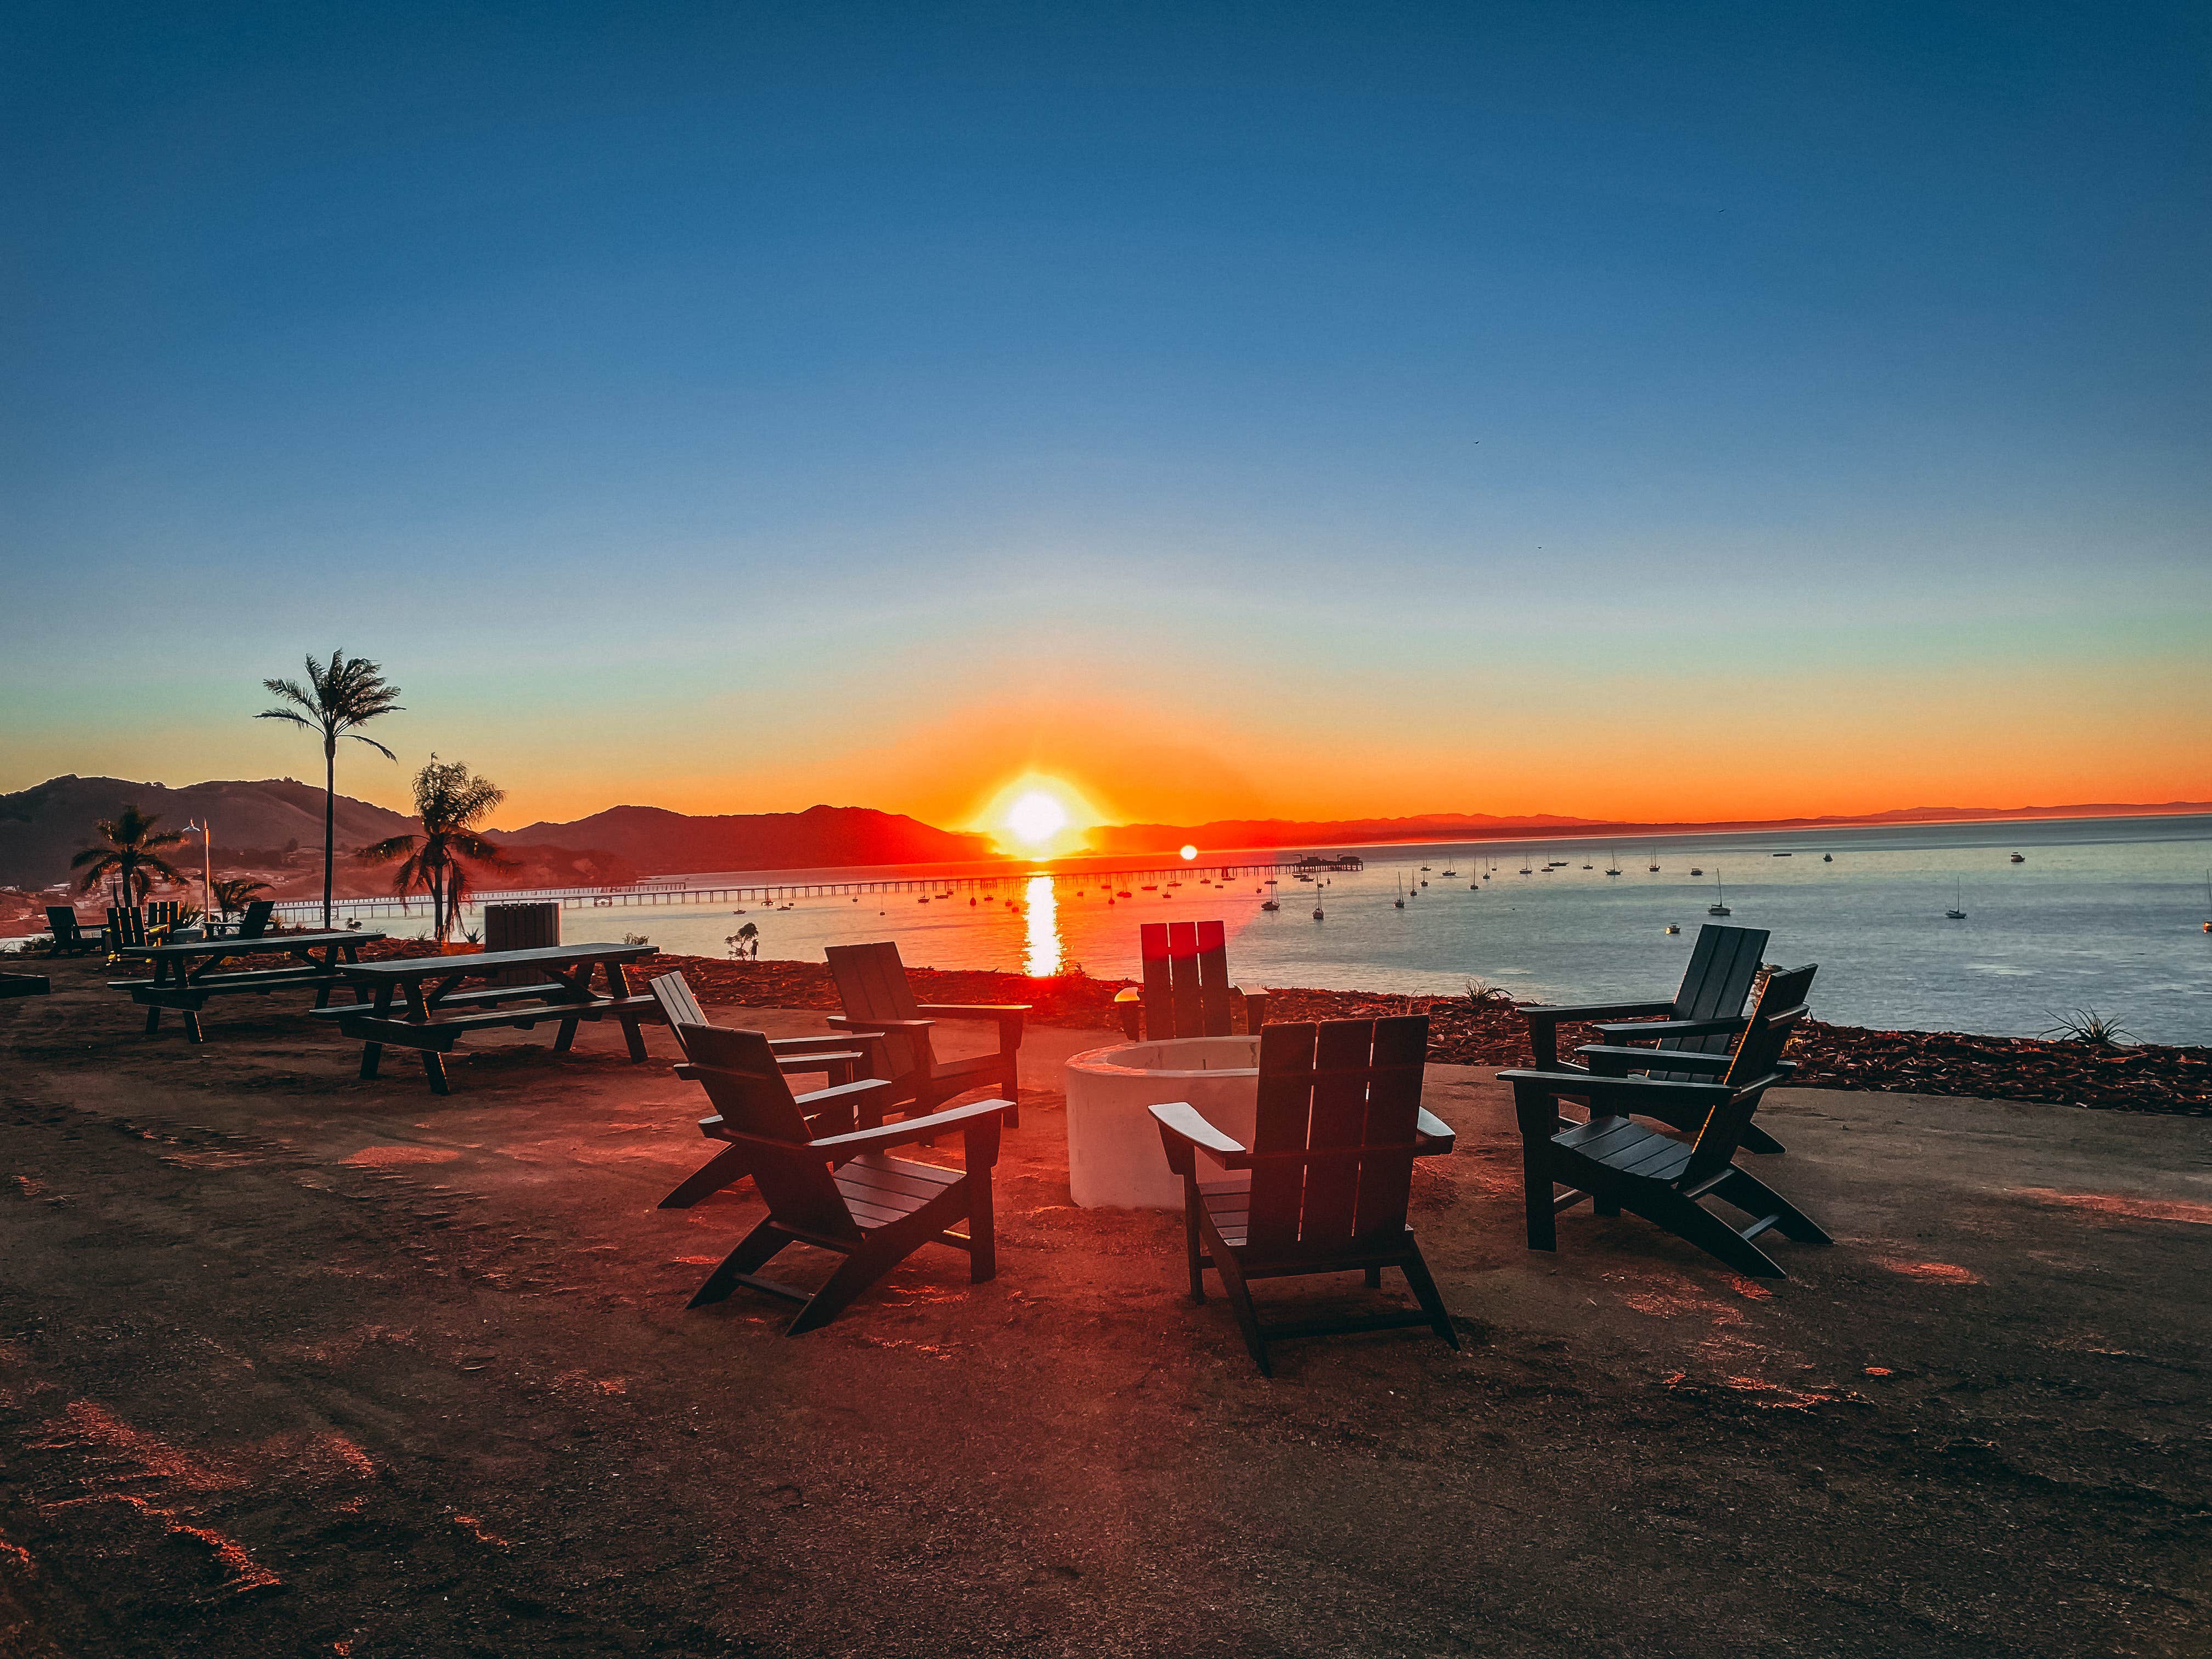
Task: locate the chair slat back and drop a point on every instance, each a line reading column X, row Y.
column 1781, row 1005
column 1186, row 976
column 255, row 922
column 872, row 984
column 678, row 1007
column 738, row 1070
column 1724, row 966
column 126, row 926
column 61, row 923
column 1337, row 1084
column 161, row 913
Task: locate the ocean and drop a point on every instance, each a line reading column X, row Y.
column 2102, row 914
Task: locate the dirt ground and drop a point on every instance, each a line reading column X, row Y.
column 294, row 1365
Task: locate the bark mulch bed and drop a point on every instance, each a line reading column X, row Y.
column 2141, row 1077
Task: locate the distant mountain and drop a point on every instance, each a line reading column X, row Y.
column 661, row 842
column 1291, row 832
column 42, row 827
column 1130, row 838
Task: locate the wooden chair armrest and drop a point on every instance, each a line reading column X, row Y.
column 1130, row 1005
column 1128, row 993
column 1606, row 1060
column 815, row 1100
column 1652, row 1031
column 980, row 1114
column 1535, row 1096
column 975, row 1009
column 877, row 1027
column 1435, row 1135
column 1550, row 1014
column 1184, row 1130
column 826, row 1043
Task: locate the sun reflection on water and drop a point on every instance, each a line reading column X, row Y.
column 1042, row 909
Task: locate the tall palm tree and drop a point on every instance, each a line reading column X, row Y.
column 450, row 801
column 336, row 698
column 133, row 850
column 233, row 893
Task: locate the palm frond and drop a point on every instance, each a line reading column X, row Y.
column 385, row 851
column 374, row 745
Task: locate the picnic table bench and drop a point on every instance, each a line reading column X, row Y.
column 440, row 1011
column 185, row 973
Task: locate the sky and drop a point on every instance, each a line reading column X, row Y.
column 1680, row 412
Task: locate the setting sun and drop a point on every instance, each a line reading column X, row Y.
column 1035, row 818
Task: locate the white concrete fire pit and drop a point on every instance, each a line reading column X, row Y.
column 1114, row 1156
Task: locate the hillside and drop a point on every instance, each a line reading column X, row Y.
column 661, row 842
column 42, row 827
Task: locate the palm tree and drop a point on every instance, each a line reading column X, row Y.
column 450, row 801
column 233, row 893
column 336, row 698
column 133, row 850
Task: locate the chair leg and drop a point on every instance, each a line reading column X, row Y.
column 1603, row 1204
column 1536, row 1195
column 1416, row 1269
column 1754, row 1197
column 1240, row 1301
column 1691, row 1222
column 1192, row 1245
column 1012, row 1089
column 1756, row 1139
column 982, row 1229
column 855, row 1274
column 730, row 1165
column 753, row 1254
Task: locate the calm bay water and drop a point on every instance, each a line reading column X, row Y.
column 2104, row 914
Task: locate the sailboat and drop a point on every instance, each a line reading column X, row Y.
column 1316, row 913
column 1400, row 902
column 1719, row 906
column 1958, row 898
column 2017, row 859
column 2207, row 897
column 1654, row 866
column 1612, row 861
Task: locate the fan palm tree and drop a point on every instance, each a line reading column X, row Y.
column 337, row 697
column 233, row 893
column 132, row 854
column 450, row 801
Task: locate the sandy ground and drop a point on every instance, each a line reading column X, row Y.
column 291, row 1364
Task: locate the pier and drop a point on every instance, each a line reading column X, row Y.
column 683, row 891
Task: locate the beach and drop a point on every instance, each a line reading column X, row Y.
column 293, row 1363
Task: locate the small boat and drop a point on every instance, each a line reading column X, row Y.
column 2016, row 858
column 1124, row 893
column 1151, row 887
column 1424, row 866
column 1781, row 855
column 1672, row 928
column 1424, row 884
column 1399, row 903
column 1451, row 873
column 1270, row 905
column 2207, row 897
column 1316, row 913
column 1958, row 898
column 1654, row 866
column 1827, row 858
column 1589, row 866
column 1695, row 871
column 1719, row 906
column 1612, row 863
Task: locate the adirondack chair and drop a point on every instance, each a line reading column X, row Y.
column 69, row 937
column 1338, row 1126
column 161, row 915
column 1704, row 1017
column 841, row 1192
column 872, row 985
column 836, row 1055
column 1619, row 1165
column 255, row 922
column 126, row 927
column 1186, row 993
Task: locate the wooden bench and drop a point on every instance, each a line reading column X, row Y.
column 185, row 973
column 24, row 985
column 439, row 1010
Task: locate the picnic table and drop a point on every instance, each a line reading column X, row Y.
column 186, row 972
column 439, row 1011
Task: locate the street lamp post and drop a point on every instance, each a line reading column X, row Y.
column 207, row 874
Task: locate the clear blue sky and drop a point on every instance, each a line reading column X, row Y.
column 1228, row 409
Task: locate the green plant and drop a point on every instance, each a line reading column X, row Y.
column 337, row 697
column 235, row 893
column 636, row 939
column 2087, row 1025
column 133, row 848
column 1479, row 991
column 450, row 801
